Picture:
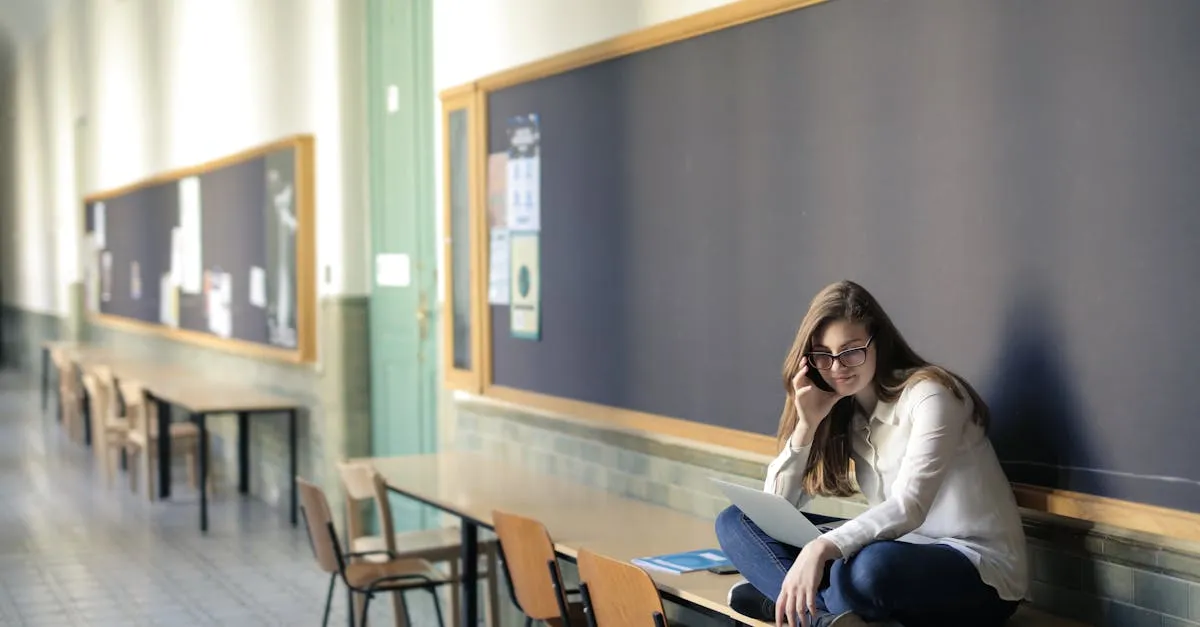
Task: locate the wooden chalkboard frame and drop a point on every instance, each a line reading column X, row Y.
column 306, row 346
column 1088, row 507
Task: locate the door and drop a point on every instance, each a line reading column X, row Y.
column 403, row 347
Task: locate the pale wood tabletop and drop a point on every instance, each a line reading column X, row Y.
column 181, row 386
column 577, row 516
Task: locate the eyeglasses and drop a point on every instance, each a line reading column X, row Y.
column 850, row 358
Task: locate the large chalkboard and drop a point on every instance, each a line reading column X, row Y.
column 1015, row 180
column 220, row 252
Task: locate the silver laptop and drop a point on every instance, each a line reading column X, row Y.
column 781, row 520
column 772, row 513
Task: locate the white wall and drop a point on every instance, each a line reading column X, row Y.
column 473, row 38
column 8, row 163
column 164, row 84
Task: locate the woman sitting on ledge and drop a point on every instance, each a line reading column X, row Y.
column 917, row 435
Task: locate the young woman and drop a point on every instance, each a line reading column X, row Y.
column 917, row 435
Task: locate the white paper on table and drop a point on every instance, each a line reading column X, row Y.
column 191, row 274
column 258, row 287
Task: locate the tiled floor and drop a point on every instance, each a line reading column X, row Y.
column 73, row 552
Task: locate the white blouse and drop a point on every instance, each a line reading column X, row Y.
column 926, row 467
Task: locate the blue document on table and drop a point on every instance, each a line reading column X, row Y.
column 679, row 563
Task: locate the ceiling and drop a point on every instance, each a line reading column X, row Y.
column 27, row 19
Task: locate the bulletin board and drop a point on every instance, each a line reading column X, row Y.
column 220, row 254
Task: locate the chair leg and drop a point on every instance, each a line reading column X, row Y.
column 189, row 458
column 356, row 602
column 437, row 606
column 328, row 600
column 493, row 587
column 455, row 591
column 148, row 466
column 400, row 609
column 366, row 606
column 133, row 475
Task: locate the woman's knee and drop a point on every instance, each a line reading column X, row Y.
column 874, row 574
column 730, row 521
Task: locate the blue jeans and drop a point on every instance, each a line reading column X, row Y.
column 930, row 585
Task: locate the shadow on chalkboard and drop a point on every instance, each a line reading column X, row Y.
column 1036, row 418
column 1038, row 434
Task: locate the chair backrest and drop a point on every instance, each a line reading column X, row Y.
column 619, row 594
column 362, row 481
column 112, row 404
column 528, row 553
column 318, row 521
column 137, row 406
column 98, row 403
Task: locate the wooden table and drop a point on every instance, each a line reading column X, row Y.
column 169, row 385
column 471, row 485
column 200, row 399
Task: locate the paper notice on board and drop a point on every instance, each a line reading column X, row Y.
column 523, row 183
column 99, row 219
column 168, row 302
column 135, row 280
column 191, row 272
column 498, row 267
column 218, row 291
column 497, row 200
column 525, row 286
column 105, row 276
column 258, row 287
column 176, row 270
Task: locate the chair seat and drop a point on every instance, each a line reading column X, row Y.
column 179, row 431
column 361, row 574
column 432, row 544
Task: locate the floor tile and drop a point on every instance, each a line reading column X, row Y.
column 74, row 551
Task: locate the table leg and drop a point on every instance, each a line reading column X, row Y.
column 200, row 421
column 45, row 376
column 164, row 449
column 243, row 452
column 470, row 574
column 292, row 462
column 86, row 410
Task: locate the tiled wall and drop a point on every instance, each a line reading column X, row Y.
column 22, row 334
column 336, row 425
column 1103, row 577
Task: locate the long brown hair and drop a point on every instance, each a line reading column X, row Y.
column 897, row 365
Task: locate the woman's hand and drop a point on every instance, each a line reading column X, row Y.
column 812, row 405
column 798, row 597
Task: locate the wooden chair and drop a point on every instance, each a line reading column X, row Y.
column 391, row 574
column 109, row 430
column 618, row 594
column 70, row 394
column 141, row 440
column 362, row 482
column 533, row 572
